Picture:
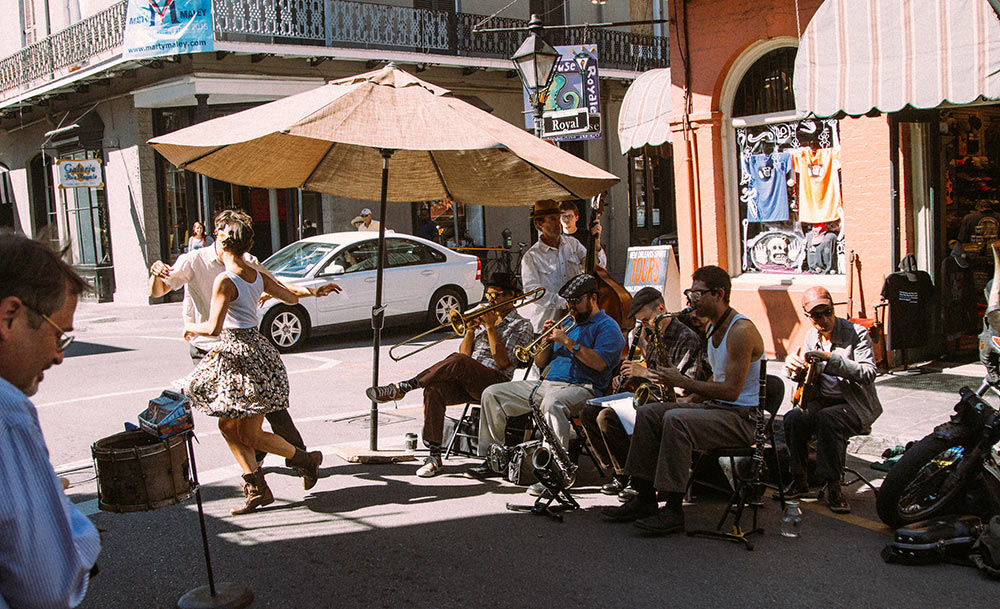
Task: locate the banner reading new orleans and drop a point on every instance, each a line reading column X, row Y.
column 572, row 103
column 154, row 28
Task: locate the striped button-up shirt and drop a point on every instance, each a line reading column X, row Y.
column 47, row 547
column 513, row 330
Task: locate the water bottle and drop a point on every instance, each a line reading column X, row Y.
column 791, row 522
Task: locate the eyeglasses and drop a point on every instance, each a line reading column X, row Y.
column 820, row 313
column 63, row 339
column 577, row 300
column 694, row 294
column 491, row 296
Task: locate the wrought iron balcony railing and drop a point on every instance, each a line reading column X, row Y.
column 325, row 23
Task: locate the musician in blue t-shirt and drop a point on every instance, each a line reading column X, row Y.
column 581, row 362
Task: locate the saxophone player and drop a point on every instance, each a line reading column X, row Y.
column 667, row 339
column 581, row 362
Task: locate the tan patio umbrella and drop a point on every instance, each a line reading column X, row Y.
column 339, row 139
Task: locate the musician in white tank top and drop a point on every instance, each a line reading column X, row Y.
column 720, row 415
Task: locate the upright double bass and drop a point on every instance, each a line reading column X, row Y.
column 612, row 296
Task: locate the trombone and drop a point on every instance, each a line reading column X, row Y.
column 459, row 322
column 527, row 353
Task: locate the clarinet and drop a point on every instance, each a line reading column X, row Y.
column 623, row 377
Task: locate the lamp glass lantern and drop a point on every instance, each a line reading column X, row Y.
column 535, row 61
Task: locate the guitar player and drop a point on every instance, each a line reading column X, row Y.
column 843, row 404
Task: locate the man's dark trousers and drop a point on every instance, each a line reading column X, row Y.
column 279, row 420
column 834, row 423
column 456, row 379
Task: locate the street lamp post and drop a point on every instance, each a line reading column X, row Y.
column 535, row 61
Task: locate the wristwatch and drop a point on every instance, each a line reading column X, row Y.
column 576, row 347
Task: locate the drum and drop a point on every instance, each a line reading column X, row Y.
column 138, row 472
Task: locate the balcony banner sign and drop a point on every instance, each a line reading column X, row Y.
column 571, row 107
column 157, row 28
column 80, row 173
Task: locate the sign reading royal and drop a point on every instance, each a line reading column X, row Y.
column 80, row 173
column 573, row 92
column 155, row 28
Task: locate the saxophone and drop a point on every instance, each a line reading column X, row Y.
column 650, row 391
column 551, row 456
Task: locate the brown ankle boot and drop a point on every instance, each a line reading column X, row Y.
column 306, row 465
column 256, row 491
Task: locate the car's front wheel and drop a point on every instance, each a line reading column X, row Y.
column 286, row 327
column 443, row 301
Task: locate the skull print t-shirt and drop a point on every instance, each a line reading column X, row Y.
column 768, row 176
column 819, row 184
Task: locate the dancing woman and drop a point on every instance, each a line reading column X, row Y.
column 243, row 378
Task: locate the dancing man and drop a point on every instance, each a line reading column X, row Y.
column 485, row 357
column 196, row 272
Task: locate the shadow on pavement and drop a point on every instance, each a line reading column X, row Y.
column 80, row 348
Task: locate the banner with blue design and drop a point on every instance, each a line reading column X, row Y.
column 155, row 28
column 571, row 106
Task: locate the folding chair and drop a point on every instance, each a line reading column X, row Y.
column 468, row 417
column 747, row 486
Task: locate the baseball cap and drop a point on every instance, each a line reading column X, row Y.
column 366, row 212
column 643, row 297
column 814, row 297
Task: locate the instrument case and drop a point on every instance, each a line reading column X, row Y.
column 945, row 539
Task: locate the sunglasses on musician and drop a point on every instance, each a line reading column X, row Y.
column 820, row 313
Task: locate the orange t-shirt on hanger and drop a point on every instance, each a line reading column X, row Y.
column 819, row 184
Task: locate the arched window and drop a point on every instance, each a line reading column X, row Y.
column 788, row 190
column 767, row 85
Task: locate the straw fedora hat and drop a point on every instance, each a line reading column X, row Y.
column 544, row 208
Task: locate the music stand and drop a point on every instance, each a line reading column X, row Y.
column 227, row 595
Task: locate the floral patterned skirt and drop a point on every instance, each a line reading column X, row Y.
column 241, row 377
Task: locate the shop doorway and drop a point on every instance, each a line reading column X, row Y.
column 652, row 211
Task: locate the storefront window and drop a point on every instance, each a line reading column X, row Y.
column 790, row 201
column 6, row 201
column 651, row 191
column 87, row 221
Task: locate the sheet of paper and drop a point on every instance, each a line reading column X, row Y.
column 625, row 411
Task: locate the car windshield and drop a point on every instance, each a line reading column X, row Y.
column 298, row 259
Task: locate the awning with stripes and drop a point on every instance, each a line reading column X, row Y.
column 645, row 113
column 856, row 55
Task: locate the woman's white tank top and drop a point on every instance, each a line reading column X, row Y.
column 243, row 309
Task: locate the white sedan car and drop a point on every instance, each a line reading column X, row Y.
column 422, row 280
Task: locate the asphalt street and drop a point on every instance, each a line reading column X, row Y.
column 377, row 536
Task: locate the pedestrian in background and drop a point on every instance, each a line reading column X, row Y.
column 198, row 237
column 48, row 549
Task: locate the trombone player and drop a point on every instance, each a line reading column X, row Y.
column 485, row 357
column 673, row 341
column 581, row 361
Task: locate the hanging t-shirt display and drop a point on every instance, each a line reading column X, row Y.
column 768, row 176
column 909, row 295
column 819, row 184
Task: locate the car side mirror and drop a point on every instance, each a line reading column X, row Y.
column 335, row 269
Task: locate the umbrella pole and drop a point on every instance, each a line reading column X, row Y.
column 378, row 311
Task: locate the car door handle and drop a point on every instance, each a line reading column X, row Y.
column 427, row 272
column 370, row 280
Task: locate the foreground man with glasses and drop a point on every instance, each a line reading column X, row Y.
column 719, row 414
column 47, row 547
column 845, row 404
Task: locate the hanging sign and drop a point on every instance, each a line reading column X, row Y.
column 573, row 93
column 654, row 266
column 156, row 28
column 80, row 173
